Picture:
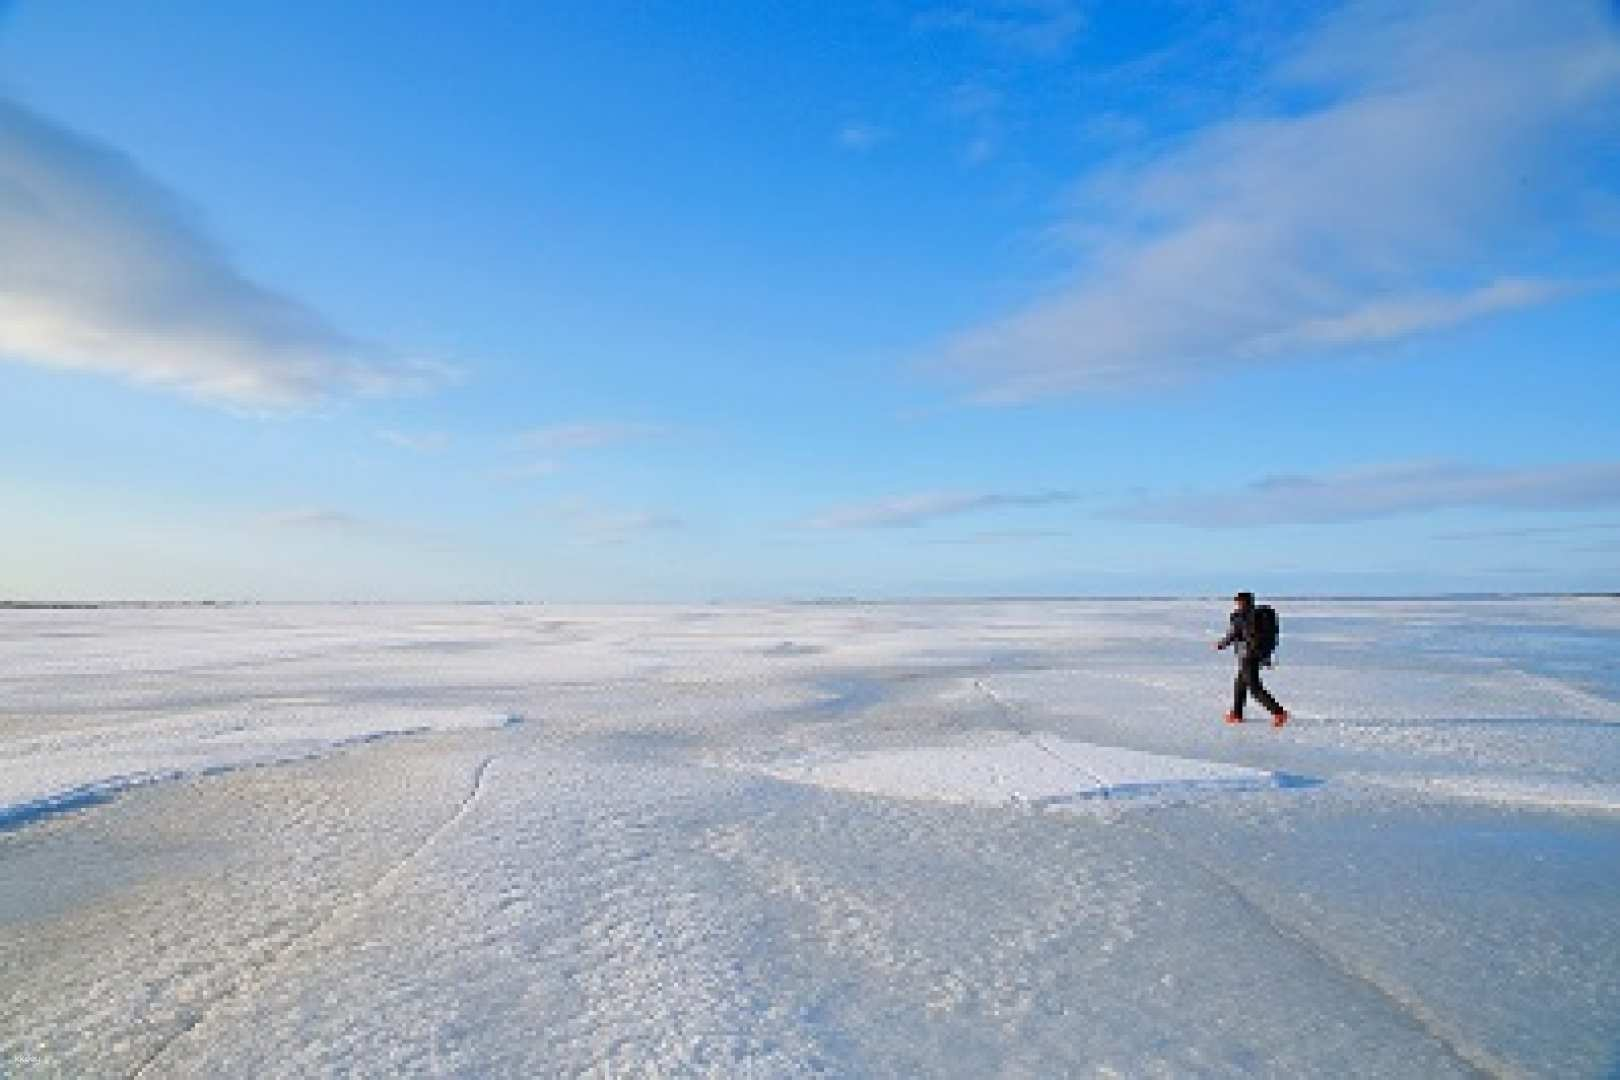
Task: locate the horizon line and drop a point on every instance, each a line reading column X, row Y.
column 829, row 601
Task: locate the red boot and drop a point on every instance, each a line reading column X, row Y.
column 1233, row 718
column 1279, row 718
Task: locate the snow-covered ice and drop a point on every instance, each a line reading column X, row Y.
column 987, row 839
column 1024, row 769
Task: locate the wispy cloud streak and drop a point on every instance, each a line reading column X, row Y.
column 102, row 269
column 909, row 511
column 1387, row 492
column 1436, row 135
column 320, row 520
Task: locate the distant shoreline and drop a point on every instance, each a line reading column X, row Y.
column 839, row 601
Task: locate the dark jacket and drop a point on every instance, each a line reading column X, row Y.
column 1245, row 634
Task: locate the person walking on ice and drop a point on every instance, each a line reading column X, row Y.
column 1254, row 631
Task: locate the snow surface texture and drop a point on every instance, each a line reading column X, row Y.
column 997, row 839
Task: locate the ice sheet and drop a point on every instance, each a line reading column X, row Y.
column 1037, row 770
column 786, row 840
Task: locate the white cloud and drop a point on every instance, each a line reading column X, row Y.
column 103, row 270
column 560, row 438
column 1445, row 133
column 1396, row 317
column 906, row 511
column 1388, row 491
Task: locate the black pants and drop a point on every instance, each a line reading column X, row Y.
column 1247, row 681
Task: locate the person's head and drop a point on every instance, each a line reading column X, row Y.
column 1243, row 601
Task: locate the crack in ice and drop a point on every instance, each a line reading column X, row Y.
column 253, row 967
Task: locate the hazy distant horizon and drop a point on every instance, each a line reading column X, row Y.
column 832, row 601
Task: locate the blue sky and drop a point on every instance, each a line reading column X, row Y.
column 679, row 302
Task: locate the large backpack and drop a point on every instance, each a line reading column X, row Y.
column 1265, row 631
